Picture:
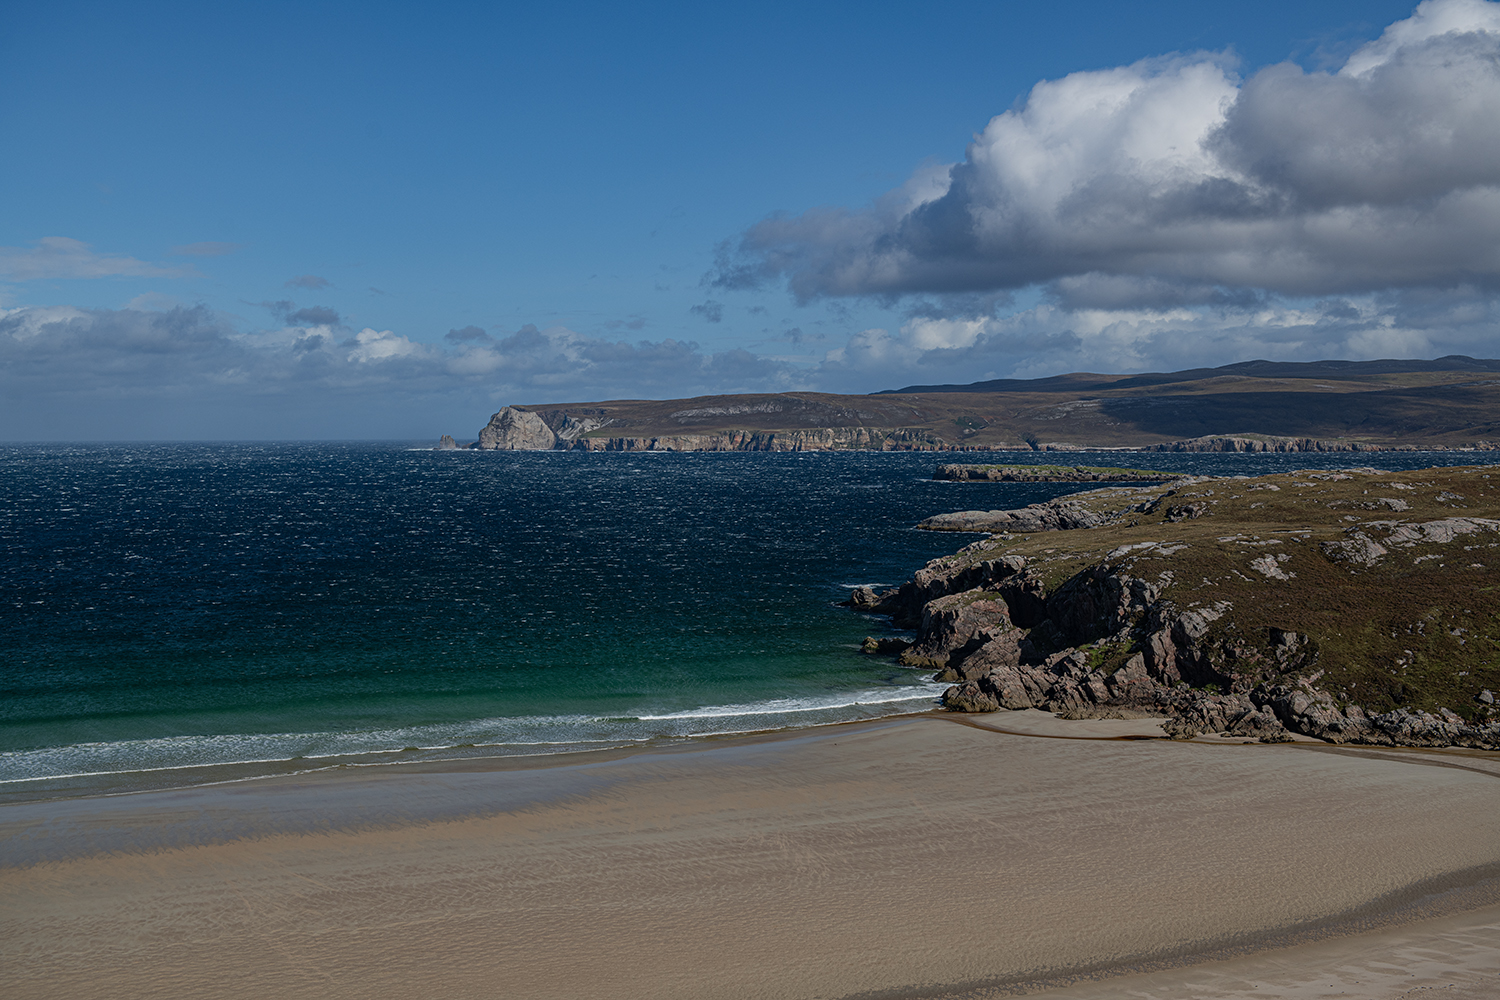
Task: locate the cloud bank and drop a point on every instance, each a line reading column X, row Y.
column 68, row 373
column 1053, row 338
column 1171, row 182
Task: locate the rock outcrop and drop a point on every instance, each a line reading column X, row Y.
column 1126, row 631
column 516, row 430
column 1270, row 443
column 1054, row 515
column 961, row 473
column 811, row 439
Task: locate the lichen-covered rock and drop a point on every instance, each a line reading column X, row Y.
column 1439, row 532
column 1359, row 549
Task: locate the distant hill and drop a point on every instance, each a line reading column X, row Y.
column 1252, row 369
column 1452, row 402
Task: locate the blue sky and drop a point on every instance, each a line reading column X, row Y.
column 382, row 220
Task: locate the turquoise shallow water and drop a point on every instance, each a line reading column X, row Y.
column 175, row 614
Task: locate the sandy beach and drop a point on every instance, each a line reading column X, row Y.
column 909, row 857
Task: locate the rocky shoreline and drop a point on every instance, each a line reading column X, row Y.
column 1049, row 474
column 589, row 429
column 1251, row 608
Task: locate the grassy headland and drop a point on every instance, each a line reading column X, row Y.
column 1369, row 592
column 1256, row 406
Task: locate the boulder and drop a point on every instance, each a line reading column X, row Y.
column 1186, row 512
column 890, row 646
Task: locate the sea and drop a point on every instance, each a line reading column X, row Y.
column 186, row 614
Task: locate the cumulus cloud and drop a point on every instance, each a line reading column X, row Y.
column 1052, row 338
column 54, row 257
column 381, row 345
column 1173, row 182
column 311, row 281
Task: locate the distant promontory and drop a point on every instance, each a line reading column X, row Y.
column 1256, row 406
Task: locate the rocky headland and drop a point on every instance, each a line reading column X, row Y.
column 1353, row 606
column 1256, row 406
column 1049, row 474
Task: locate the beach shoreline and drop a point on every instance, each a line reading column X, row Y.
column 912, row 856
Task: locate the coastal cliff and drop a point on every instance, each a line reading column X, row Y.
column 1450, row 403
column 1353, row 607
column 516, row 429
column 811, row 439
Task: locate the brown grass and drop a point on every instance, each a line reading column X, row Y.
column 1421, row 628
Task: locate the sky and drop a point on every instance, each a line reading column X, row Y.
column 327, row 221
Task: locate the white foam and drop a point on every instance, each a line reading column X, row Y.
column 503, row 736
column 795, row 706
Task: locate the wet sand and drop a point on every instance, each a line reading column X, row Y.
column 911, row 857
column 1453, row 958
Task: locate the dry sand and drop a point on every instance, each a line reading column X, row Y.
column 914, row 857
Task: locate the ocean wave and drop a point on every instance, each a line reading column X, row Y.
column 797, row 706
column 105, row 763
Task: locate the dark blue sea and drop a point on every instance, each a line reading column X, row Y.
column 191, row 613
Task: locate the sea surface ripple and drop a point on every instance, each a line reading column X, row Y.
column 180, row 614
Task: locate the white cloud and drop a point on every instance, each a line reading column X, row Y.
column 56, row 257
column 1430, row 20
column 1050, row 338
column 1173, row 181
column 69, row 372
column 381, row 345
